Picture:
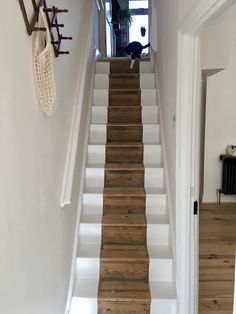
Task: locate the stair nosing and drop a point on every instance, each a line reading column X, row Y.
column 124, row 124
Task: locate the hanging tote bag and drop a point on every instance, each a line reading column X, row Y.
column 44, row 67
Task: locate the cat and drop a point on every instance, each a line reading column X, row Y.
column 231, row 150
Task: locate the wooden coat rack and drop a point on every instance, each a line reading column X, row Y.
column 52, row 20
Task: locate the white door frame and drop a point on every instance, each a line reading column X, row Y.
column 187, row 152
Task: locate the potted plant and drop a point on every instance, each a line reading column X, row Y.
column 126, row 14
column 143, row 31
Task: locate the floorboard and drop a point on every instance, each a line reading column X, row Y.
column 217, row 233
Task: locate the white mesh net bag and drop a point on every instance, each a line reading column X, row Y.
column 44, row 67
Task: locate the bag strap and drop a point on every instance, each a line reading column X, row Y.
column 42, row 36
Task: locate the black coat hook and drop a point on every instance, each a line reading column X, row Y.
column 51, row 16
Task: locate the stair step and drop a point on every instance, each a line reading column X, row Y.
column 132, row 268
column 124, row 253
column 85, row 296
column 124, row 174
column 125, row 81
column 124, row 114
column 122, row 97
column 124, row 166
column 155, row 227
column 127, row 270
column 125, row 144
column 124, row 132
column 124, row 234
column 125, row 204
column 89, row 250
column 126, row 291
column 153, row 178
column 128, row 202
column 121, row 114
column 118, row 125
column 157, row 234
column 124, row 264
column 148, row 134
column 124, row 220
column 118, row 81
column 122, row 66
column 124, row 191
column 130, row 152
column 124, row 178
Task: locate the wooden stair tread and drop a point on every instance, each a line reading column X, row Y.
column 127, row 247
column 124, row 144
column 135, row 108
column 124, row 166
column 130, row 76
column 128, row 124
column 124, row 253
column 127, row 191
column 126, row 291
column 125, row 90
column 122, row 220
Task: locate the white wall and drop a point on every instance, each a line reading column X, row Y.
column 36, row 236
column 217, row 40
column 217, row 48
column 184, row 6
column 220, row 126
column 169, row 14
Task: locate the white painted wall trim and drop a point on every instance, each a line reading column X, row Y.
column 202, row 14
column 187, row 158
column 170, row 208
column 80, row 198
column 75, row 123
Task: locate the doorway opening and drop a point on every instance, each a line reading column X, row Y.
column 188, row 147
column 140, row 19
column 123, row 22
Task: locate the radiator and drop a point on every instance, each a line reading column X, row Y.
column 228, row 186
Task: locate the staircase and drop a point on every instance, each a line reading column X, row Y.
column 124, row 263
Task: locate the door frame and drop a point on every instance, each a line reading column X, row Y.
column 187, row 148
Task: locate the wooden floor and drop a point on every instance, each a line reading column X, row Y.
column 217, row 258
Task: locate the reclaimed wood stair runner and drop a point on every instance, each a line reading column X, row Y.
column 124, row 260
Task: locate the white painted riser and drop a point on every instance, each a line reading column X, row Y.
column 153, row 178
column 148, row 97
column 100, row 114
column 98, row 134
column 152, row 154
column 104, row 67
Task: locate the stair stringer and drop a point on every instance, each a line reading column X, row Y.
column 170, row 208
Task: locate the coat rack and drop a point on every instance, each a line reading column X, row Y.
column 53, row 25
